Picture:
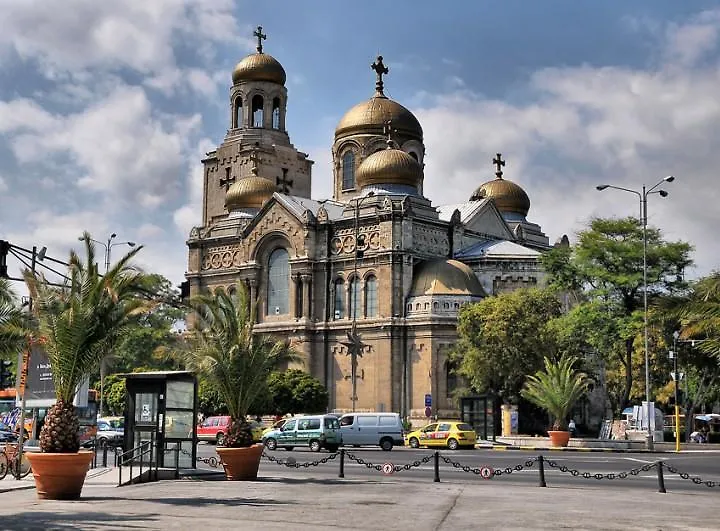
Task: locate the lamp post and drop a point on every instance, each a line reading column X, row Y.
column 108, row 249
column 643, row 218
column 676, row 378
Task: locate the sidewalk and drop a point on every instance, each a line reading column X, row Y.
column 280, row 500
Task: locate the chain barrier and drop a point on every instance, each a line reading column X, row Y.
column 695, row 479
column 212, row 460
column 496, row 472
column 396, row 468
column 587, row 475
column 291, row 463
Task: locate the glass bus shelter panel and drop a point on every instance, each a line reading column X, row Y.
column 180, row 395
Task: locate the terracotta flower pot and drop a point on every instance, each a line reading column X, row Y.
column 59, row 476
column 241, row 463
column 559, row 438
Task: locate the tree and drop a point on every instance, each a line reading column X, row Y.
column 77, row 323
column 233, row 360
column 295, row 391
column 607, row 264
column 13, row 326
column 502, row 339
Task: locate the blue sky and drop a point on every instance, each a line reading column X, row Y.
column 107, row 107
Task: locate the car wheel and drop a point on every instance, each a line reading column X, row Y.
column 220, row 439
column 332, row 448
column 386, row 444
column 414, row 443
column 314, row 446
column 270, row 444
column 453, row 444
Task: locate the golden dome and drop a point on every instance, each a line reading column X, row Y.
column 249, row 192
column 372, row 116
column 445, row 277
column 508, row 196
column 389, row 166
column 259, row 67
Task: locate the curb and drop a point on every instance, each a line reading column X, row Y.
column 573, row 449
column 22, row 487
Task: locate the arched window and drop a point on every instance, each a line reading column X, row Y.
column 348, row 170
column 258, row 111
column 276, row 114
column 355, row 298
column 371, row 302
column 278, row 286
column 339, row 299
column 238, row 113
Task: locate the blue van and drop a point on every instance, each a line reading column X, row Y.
column 313, row 431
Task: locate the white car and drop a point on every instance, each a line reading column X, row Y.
column 107, row 435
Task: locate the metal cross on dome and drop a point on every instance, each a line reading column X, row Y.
column 388, row 131
column 380, row 69
column 260, row 36
column 499, row 163
column 283, row 183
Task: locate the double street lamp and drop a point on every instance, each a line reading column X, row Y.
column 108, row 249
column 643, row 195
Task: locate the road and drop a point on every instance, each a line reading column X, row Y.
column 703, row 464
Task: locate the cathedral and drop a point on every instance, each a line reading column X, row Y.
column 367, row 284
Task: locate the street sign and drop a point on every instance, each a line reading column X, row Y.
column 428, row 412
column 486, row 472
column 388, row 469
column 428, row 400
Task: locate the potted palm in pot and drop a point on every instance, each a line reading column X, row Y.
column 556, row 389
column 76, row 323
column 237, row 364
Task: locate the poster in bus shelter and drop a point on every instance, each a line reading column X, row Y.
column 39, row 387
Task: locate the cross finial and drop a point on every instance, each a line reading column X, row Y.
column 499, row 163
column 388, row 131
column 283, row 183
column 254, row 161
column 228, row 180
column 380, row 69
column 260, row 36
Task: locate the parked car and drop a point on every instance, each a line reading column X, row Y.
column 106, row 436
column 213, row 429
column 7, row 434
column 314, row 431
column 275, row 426
column 372, row 429
column 451, row 433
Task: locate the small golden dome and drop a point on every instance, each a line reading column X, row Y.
column 259, row 67
column 389, row 166
column 508, row 196
column 371, row 117
column 445, row 277
column 249, row 192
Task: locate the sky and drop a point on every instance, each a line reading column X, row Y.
column 106, row 108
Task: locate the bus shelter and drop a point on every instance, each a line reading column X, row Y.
column 161, row 410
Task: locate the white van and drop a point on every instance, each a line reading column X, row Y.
column 372, row 429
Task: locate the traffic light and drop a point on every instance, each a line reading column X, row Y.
column 4, row 248
column 184, row 290
column 6, row 375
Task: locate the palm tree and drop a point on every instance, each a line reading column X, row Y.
column 700, row 315
column 77, row 322
column 233, row 360
column 13, row 326
column 556, row 389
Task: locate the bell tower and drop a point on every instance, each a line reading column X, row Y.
column 258, row 107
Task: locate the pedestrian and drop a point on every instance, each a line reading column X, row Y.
column 571, row 428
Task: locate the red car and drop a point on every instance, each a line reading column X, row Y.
column 213, row 429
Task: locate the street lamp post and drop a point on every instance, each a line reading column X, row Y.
column 676, row 378
column 108, row 248
column 643, row 218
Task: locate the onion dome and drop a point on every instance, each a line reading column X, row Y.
column 508, row 196
column 259, row 66
column 370, row 117
column 389, row 166
column 249, row 192
column 445, row 277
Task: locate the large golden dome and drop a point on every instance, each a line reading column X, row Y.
column 445, row 277
column 508, row 196
column 259, row 67
column 249, row 192
column 389, row 166
column 371, row 117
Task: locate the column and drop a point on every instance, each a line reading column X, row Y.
column 305, row 295
column 253, row 297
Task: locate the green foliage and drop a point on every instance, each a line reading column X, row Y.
column 210, row 401
column 295, row 391
column 556, row 389
column 115, row 395
column 231, row 358
column 502, row 339
column 13, row 326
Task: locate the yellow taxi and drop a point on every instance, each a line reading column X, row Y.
column 276, row 426
column 450, row 433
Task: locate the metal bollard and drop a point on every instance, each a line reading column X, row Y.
column 541, row 466
column 342, row 463
column 661, row 479
column 436, row 459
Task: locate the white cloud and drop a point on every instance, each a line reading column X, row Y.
column 189, row 215
column 3, row 185
column 588, row 125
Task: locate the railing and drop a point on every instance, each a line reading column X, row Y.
column 130, row 457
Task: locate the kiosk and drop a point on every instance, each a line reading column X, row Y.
column 161, row 409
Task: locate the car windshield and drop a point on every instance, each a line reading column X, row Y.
column 464, row 427
column 332, row 423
